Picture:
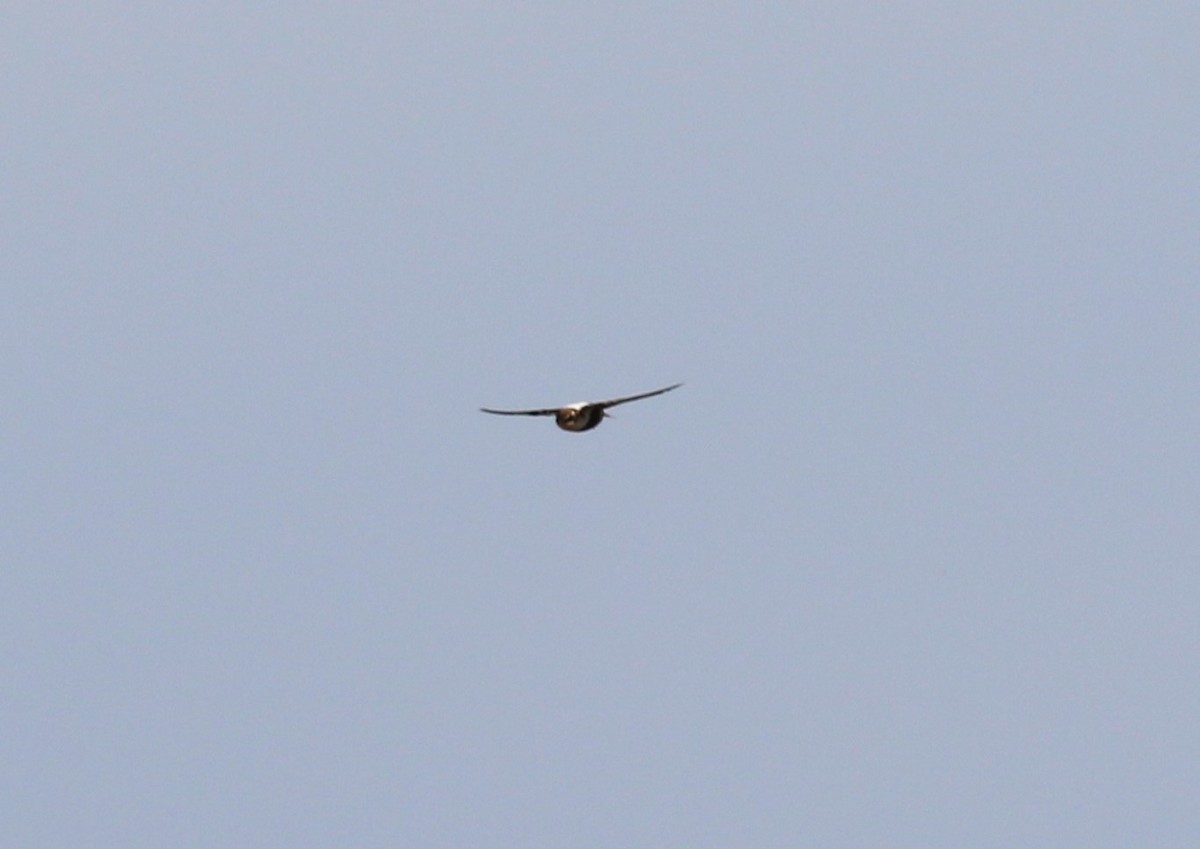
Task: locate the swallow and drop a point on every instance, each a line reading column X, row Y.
column 582, row 416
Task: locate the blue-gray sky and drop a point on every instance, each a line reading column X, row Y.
column 913, row 559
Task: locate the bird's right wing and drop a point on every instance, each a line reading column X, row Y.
column 519, row 412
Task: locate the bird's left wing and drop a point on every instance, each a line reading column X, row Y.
column 617, row 401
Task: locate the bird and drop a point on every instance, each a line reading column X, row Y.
column 582, row 416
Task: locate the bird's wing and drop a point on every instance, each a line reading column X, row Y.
column 519, row 412
column 616, row 401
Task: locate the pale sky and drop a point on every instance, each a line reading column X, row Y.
column 912, row 559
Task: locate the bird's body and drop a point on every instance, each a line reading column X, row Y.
column 582, row 416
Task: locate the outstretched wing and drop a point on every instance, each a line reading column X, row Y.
column 616, row 401
column 519, row 412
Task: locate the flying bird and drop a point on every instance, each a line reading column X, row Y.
column 582, row 416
